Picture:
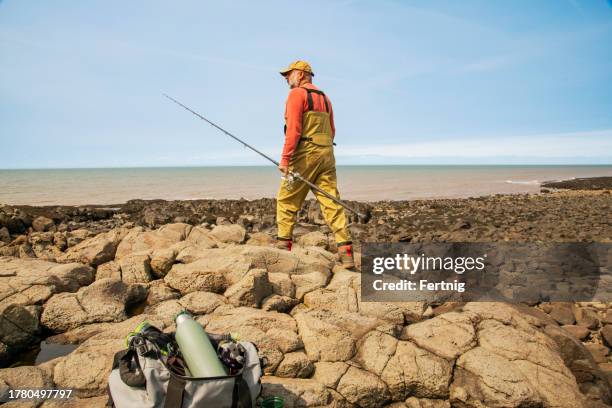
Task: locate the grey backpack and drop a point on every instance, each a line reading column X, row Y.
column 143, row 379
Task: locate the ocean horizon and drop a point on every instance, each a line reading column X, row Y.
column 82, row 186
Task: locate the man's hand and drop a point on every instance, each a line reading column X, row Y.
column 284, row 170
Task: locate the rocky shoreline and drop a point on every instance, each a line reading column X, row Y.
column 86, row 276
column 586, row 183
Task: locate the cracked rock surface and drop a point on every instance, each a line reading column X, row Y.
column 325, row 347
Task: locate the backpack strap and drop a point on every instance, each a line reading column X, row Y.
column 174, row 392
column 130, row 370
column 109, row 402
column 309, row 97
column 241, row 395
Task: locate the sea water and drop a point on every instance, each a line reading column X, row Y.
column 364, row 183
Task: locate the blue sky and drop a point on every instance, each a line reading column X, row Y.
column 411, row 81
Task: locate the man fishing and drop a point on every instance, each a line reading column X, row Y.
column 309, row 151
column 307, row 161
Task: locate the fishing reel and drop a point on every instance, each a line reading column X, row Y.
column 290, row 179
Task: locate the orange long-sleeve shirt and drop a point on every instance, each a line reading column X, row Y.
column 297, row 104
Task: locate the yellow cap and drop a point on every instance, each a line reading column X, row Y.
column 301, row 65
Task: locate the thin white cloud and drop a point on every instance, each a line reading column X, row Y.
column 539, row 148
column 556, row 145
column 227, row 157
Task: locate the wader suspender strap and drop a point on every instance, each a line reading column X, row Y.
column 310, row 103
column 311, row 107
column 309, row 95
column 241, row 395
column 174, row 393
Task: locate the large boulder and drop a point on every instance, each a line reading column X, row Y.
column 110, row 269
column 9, row 250
column 279, row 303
column 166, row 310
column 412, row 370
column 314, row 238
column 580, row 359
column 398, row 313
column 215, row 269
column 43, row 244
column 162, row 260
column 229, row 233
column 19, row 326
column 299, row 393
column 374, row 351
column 329, row 373
column 102, row 301
column 448, row 335
column 75, row 236
column 343, row 278
column 158, row 291
column 307, row 282
column 135, row 268
column 80, row 334
column 41, row 224
column 276, row 260
column 410, row 311
column 606, row 334
column 243, row 320
column 561, row 312
column 140, row 241
column 586, row 317
column 514, row 364
column 202, row 275
column 96, row 250
column 286, row 340
column 261, row 239
column 492, row 355
column 200, row 302
column 295, row 365
column 200, row 237
column 483, row 378
column 26, row 377
column 250, row 290
column 86, row 369
column 325, row 341
column 282, row 284
column 28, row 282
column 524, row 318
column 363, row 388
column 515, row 344
column 486, row 377
column 5, row 236
column 343, row 299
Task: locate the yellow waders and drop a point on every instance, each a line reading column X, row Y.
column 314, row 160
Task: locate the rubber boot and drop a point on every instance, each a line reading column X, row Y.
column 285, row 244
column 345, row 252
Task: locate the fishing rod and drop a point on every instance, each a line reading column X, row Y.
column 364, row 218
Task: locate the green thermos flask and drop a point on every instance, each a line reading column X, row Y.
column 198, row 352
